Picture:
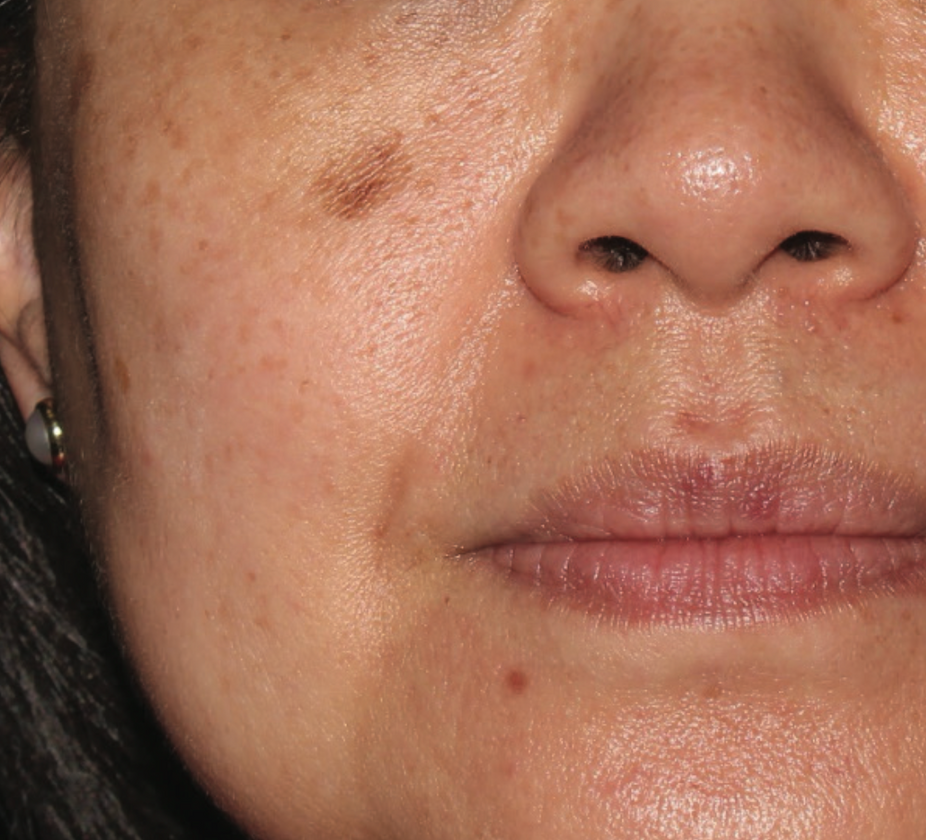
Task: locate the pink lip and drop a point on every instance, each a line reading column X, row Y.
column 679, row 538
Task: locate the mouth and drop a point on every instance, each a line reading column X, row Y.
column 665, row 537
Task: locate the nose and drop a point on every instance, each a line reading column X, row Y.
column 713, row 160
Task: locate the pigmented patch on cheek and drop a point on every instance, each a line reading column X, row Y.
column 354, row 187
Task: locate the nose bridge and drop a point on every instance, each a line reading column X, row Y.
column 706, row 146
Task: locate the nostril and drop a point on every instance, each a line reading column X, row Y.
column 614, row 254
column 813, row 246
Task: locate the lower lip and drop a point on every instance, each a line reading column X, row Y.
column 727, row 582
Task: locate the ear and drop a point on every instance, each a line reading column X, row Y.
column 23, row 345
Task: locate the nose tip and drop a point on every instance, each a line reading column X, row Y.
column 716, row 186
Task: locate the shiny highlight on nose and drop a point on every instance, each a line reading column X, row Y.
column 713, row 174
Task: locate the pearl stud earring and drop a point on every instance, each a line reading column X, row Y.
column 45, row 438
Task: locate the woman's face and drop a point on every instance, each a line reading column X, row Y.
column 504, row 418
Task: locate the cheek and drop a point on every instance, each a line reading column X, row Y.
column 292, row 313
column 287, row 343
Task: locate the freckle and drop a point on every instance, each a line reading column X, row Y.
column 155, row 238
column 302, row 77
column 123, row 379
column 273, row 364
column 353, row 188
column 516, row 681
column 193, row 42
column 130, row 146
column 114, row 36
column 380, row 530
column 446, row 600
column 203, row 245
column 157, row 102
column 174, row 134
column 81, row 79
column 152, row 192
column 251, row 576
column 286, row 36
column 898, row 318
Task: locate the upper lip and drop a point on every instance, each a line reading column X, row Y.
column 663, row 494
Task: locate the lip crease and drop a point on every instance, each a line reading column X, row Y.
column 681, row 537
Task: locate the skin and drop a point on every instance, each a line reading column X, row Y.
column 318, row 324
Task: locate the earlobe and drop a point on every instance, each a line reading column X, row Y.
column 23, row 344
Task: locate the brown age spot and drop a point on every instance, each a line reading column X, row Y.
column 516, row 681
column 354, row 187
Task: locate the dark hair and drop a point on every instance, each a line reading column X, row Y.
column 17, row 28
column 80, row 755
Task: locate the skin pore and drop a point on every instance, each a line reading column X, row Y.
column 329, row 319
